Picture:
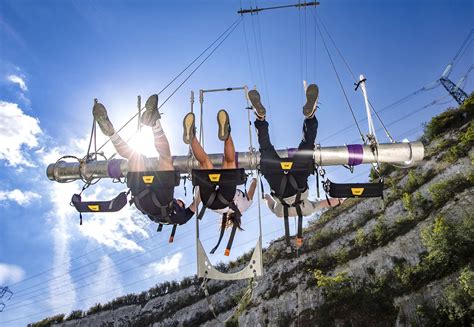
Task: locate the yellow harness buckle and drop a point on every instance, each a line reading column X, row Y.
column 214, row 177
column 93, row 207
column 148, row 179
column 357, row 191
column 286, row 165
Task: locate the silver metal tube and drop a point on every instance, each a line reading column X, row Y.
column 397, row 153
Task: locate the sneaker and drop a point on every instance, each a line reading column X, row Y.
column 151, row 114
column 100, row 115
column 257, row 105
column 224, row 125
column 312, row 93
column 189, row 129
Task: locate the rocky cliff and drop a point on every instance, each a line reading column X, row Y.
column 404, row 260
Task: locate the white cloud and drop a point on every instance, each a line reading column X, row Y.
column 16, row 131
column 10, row 274
column 62, row 255
column 15, row 79
column 105, row 280
column 22, row 198
column 166, row 266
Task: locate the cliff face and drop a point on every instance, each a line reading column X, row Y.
column 399, row 261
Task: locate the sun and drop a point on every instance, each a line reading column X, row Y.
column 143, row 143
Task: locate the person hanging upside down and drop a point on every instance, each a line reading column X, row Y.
column 151, row 203
column 238, row 200
column 303, row 164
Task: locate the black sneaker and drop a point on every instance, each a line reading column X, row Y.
column 189, row 128
column 151, row 114
column 257, row 105
column 312, row 93
column 224, row 125
column 100, row 115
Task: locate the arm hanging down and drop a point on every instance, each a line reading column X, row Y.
column 251, row 191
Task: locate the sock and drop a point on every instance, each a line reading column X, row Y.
column 157, row 129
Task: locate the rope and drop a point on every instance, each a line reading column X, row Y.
column 228, row 31
column 247, row 46
column 456, row 57
column 353, row 76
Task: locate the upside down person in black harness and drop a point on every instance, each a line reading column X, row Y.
column 290, row 196
column 231, row 201
column 152, row 203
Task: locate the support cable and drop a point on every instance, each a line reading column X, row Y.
column 340, row 83
column 228, row 31
column 354, row 77
column 247, row 46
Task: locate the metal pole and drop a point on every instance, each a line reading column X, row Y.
column 355, row 154
column 367, row 106
column 257, row 10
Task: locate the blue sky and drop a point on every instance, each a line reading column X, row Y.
column 57, row 56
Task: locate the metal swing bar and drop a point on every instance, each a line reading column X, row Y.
column 352, row 154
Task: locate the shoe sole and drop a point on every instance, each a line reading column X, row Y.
column 151, row 113
column 257, row 105
column 223, row 122
column 188, row 127
column 100, row 115
column 312, row 93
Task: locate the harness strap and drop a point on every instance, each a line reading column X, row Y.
column 165, row 214
column 136, row 199
column 231, row 240
column 160, row 228
column 173, row 231
column 223, row 224
column 287, row 229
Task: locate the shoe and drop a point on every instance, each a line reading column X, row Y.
column 189, row 129
column 100, row 115
column 312, row 93
column 257, row 105
column 151, row 114
column 224, row 125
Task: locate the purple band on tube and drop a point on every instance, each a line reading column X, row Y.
column 113, row 168
column 292, row 152
column 356, row 153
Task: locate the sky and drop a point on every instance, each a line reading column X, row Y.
column 56, row 57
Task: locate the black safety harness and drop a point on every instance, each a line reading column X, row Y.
column 149, row 184
column 286, row 170
column 216, row 178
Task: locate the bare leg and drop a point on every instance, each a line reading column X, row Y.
column 201, row 155
column 229, row 154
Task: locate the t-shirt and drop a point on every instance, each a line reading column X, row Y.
column 180, row 216
column 307, row 207
column 240, row 200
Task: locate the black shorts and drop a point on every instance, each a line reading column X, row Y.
column 228, row 192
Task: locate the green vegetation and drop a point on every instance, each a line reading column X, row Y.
column 242, row 300
column 76, row 314
column 450, row 119
column 448, row 246
column 444, row 191
column 454, row 307
column 354, row 302
column 46, row 322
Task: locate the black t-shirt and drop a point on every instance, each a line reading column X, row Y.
column 179, row 216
